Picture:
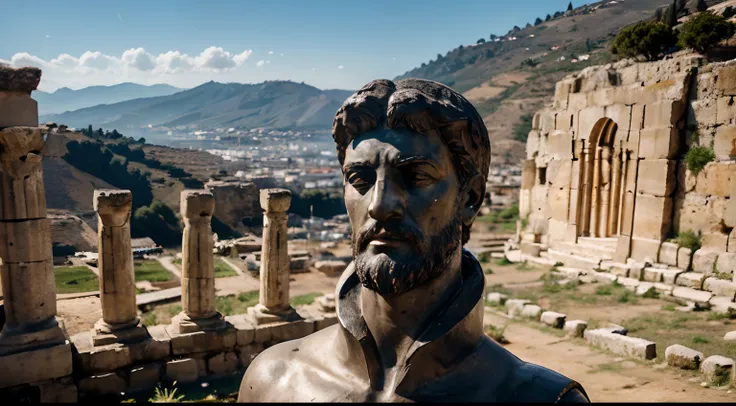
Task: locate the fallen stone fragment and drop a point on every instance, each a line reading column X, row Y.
column 716, row 370
column 621, row 344
column 531, row 311
column 730, row 336
column 554, row 319
column 682, row 357
column 497, row 298
column 575, row 328
column 514, row 306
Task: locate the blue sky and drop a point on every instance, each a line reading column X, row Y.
column 328, row 44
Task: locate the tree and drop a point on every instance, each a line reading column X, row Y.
column 647, row 38
column 538, row 21
column 681, row 5
column 549, row 17
column 90, row 131
column 558, row 14
column 704, row 31
column 141, row 140
column 658, row 14
column 729, row 12
column 99, row 133
column 701, row 6
column 481, row 41
column 528, row 25
column 516, row 28
column 569, row 6
column 588, row 45
column 493, row 37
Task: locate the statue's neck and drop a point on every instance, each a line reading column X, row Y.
column 396, row 321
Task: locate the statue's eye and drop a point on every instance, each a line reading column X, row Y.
column 415, row 176
column 362, row 179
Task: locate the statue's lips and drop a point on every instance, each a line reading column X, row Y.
column 386, row 240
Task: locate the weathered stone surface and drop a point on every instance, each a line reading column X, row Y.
column 531, row 311
column 621, row 344
column 670, row 275
column 331, row 268
column 730, row 336
column 244, row 330
column 644, row 288
column 651, row 274
column 704, row 260
column 554, row 319
column 263, row 333
column 717, row 369
column 182, row 370
column 723, row 305
column 62, row 390
column 103, row 384
column 603, row 277
column 575, row 328
column 629, row 283
column 725, row 143
column 652, row 218
column 726, row 261
column 23, row 79
column 18, row 109
column 223, row 363
column 36, row 365
column 144, row 376
column 668, row 253
column 664, row 289
column 658, row 143
column 692, row 280
column 514, row 306
column 496, row 298
column 203, row 341
column 683, row 357
column 684, row 256
column 698, row 297
column 291, row 330
column 720, row 287
column 657, row 177
column 248, row 353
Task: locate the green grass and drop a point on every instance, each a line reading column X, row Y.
column 689, row 239
column 174, row 310
column 700, row 340
column 698, row 157
column 222, row 269
column 488, row 271
column 604, row 290
column 503, row 262
column 627, row 297
column 668, row 308
column 651, row 293
column 229, row 305
column 149, row 318
column 524, row 267
column 75, row 279
column 496, row 334
column 305, row 299
column 152, row 271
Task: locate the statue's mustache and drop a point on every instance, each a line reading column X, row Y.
column 390, row 230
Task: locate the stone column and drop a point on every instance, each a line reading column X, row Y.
column 197, row 265
column 28, row 284
column 120, row 321
column 274, row 293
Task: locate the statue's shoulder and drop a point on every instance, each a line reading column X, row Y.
column 270, row 376
column 535, row 383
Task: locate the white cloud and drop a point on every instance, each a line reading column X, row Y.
column 340, row 67
column 270, row 52
column 48, row 36
column 138, row 58
column 260, row 63
column 282, row 54
column 136, row 64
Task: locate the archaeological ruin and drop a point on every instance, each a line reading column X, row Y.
column 628, row 159
column 41, row 362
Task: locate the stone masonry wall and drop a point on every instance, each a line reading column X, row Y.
column 607, row 158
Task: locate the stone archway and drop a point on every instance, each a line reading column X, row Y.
column 603, row 173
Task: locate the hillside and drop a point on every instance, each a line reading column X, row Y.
column 276, row 104
column 509, row 79
column 65, row 99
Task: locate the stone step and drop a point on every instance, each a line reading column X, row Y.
column 572, row 260
column 538, row 260
column 591, row 251
column 609, row 243
column 699, row 297
column 693, row 280
column 620, row 344
column 658, row 274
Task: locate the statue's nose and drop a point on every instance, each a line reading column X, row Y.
column 386, row 201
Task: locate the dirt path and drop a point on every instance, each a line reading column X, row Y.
column 605, row 377
column 168, row 263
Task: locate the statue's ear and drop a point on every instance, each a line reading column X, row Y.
column 473, row 199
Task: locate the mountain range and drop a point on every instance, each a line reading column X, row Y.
column 65, row 99
column 272, row 104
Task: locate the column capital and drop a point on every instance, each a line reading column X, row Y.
column 197, row 204
column 20, row 150
column 275, row 200
column 113, row 206
column 24, row 79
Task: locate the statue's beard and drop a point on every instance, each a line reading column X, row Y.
column 427, row 257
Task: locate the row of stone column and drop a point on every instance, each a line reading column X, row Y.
column 28, row 283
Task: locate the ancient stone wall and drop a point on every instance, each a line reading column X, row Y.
column 235, row 202
column 607, row 159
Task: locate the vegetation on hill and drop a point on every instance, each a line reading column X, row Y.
column 648, row 38
column 704, row 31
column 157, row 221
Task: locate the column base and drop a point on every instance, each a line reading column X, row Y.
column 182, row 323
column 260, row 315
column 48, row 333
column 105, row 333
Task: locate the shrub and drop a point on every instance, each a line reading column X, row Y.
column 496, row 334
column 704, row 31
column 651, row 293
column 647, row 38
column 688, row 239
column 698, row 157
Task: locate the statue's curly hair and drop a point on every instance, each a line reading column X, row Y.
column 422, row 106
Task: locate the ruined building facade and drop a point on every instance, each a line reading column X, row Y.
column 605, row 180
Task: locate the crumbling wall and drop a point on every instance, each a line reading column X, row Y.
column 236, row 202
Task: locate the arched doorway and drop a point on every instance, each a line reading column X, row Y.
column 603, row 173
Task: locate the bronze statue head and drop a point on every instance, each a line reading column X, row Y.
column 415, row 156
